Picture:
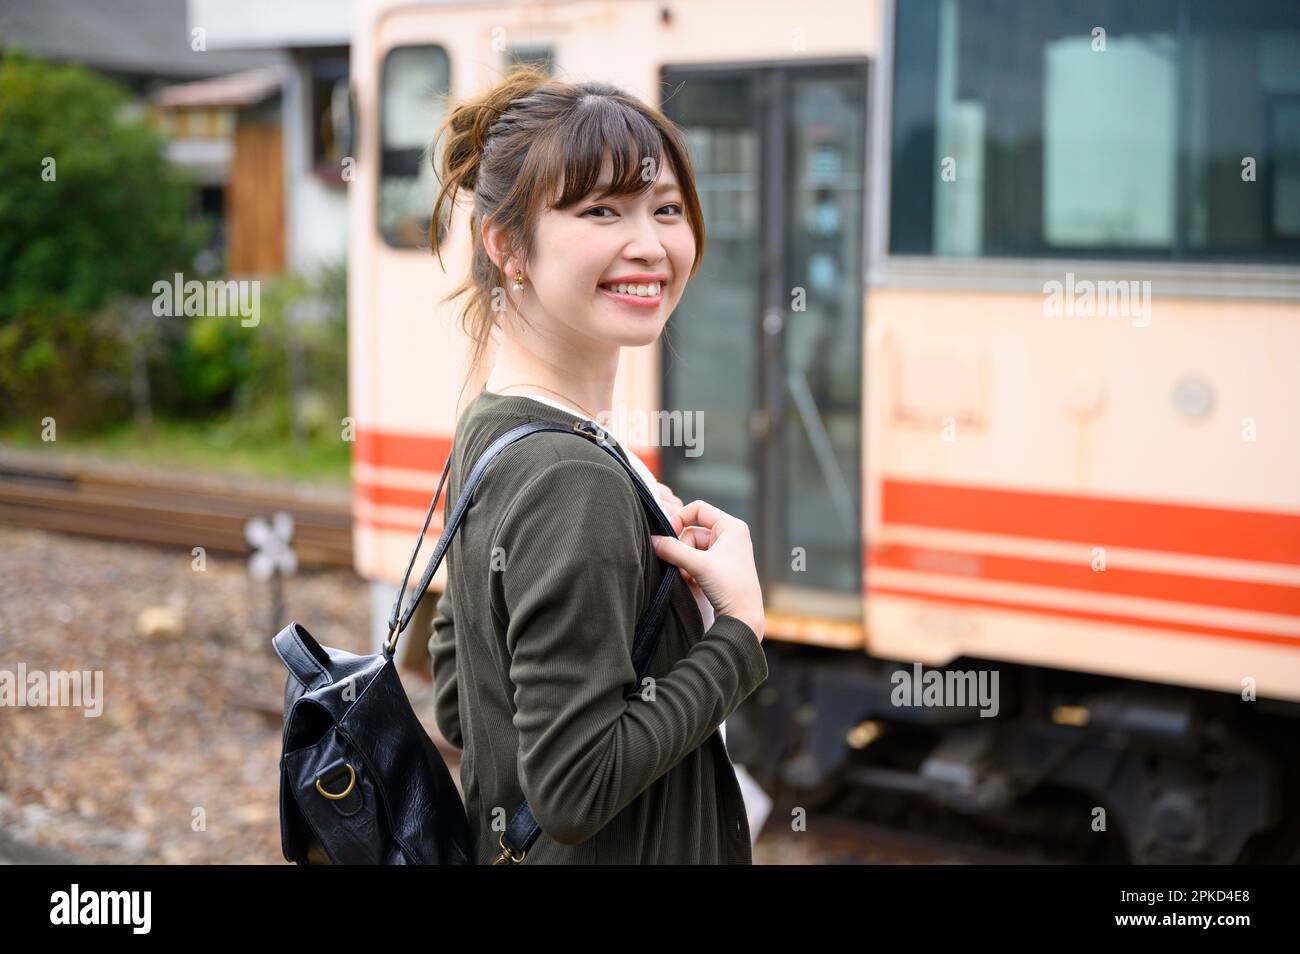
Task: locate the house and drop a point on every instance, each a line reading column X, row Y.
column 310, row 40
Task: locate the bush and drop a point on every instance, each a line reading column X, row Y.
column 93, row 213
column 246, row 374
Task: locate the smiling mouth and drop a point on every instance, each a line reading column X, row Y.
column 637, row 301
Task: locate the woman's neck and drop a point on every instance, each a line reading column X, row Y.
column 588, row 385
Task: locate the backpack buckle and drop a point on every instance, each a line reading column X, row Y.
column 506, row 857
column 591, row 430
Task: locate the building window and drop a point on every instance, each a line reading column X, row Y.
column 543, row 56
column 328, row 82
column 415, row 84
column 1167, row 129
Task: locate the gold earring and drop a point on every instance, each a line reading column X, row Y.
column 519, row 281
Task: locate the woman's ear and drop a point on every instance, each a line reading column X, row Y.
column 491, row 240
column 494, row 240
column 496, row 243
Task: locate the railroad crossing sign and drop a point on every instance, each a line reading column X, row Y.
column 273, row 558
column 270, row 542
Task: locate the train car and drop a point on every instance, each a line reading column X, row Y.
column 995, row 343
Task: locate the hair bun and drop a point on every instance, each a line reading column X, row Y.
column 522, row 80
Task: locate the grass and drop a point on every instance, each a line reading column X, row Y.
column 213, row 447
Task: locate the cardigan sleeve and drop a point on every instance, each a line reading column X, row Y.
column 590, row 739
column 442, row 655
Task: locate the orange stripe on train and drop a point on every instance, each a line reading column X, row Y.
column 1122, row 581
column 1193, row 629
column 427, row 452
column 1239, row 534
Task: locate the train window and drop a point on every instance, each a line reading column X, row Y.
column 414, row 87
column 542, row 56
column 1168, row 129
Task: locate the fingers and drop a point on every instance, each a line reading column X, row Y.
column 681, row 552
column 708, row 517
column 674, row 551
column 700, row 512
column 699, row 537
column 670, row 502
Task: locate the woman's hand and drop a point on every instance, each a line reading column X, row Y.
column 714, row 549
column 673, row 504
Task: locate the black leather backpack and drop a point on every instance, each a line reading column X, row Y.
column 361, row 782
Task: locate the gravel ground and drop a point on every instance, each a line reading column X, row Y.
column 181, row 767
column 182, row 764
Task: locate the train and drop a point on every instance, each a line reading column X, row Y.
column 995, row 337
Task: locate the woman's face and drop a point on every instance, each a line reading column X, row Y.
column 598, row 241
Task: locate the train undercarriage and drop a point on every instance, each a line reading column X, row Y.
column 1116, row 769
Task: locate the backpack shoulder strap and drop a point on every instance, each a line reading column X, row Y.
column 646, row 637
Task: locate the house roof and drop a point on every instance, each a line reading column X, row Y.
column 236, row 89
column 142, row 37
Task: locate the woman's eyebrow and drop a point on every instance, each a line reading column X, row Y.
column 658, row 190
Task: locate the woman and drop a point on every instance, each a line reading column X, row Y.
column 575, row 187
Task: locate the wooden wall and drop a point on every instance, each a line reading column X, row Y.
column 255, row 201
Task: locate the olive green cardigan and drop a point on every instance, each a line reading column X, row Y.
column 548, row 575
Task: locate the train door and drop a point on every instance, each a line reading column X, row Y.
column 767, row 341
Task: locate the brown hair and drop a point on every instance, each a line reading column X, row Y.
column 514, row 145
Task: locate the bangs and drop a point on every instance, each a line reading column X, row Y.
column 602, row 126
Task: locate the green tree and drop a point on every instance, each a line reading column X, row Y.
column 93, row 214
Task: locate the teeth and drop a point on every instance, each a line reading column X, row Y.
column 648, row 290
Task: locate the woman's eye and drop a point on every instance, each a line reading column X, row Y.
column 671, row 205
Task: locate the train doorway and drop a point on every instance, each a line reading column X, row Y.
column 766, row 343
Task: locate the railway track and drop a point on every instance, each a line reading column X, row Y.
column 116, row 503
column 120, row 502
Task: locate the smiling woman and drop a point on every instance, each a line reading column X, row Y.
column 584, row 205
column 584, row 198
